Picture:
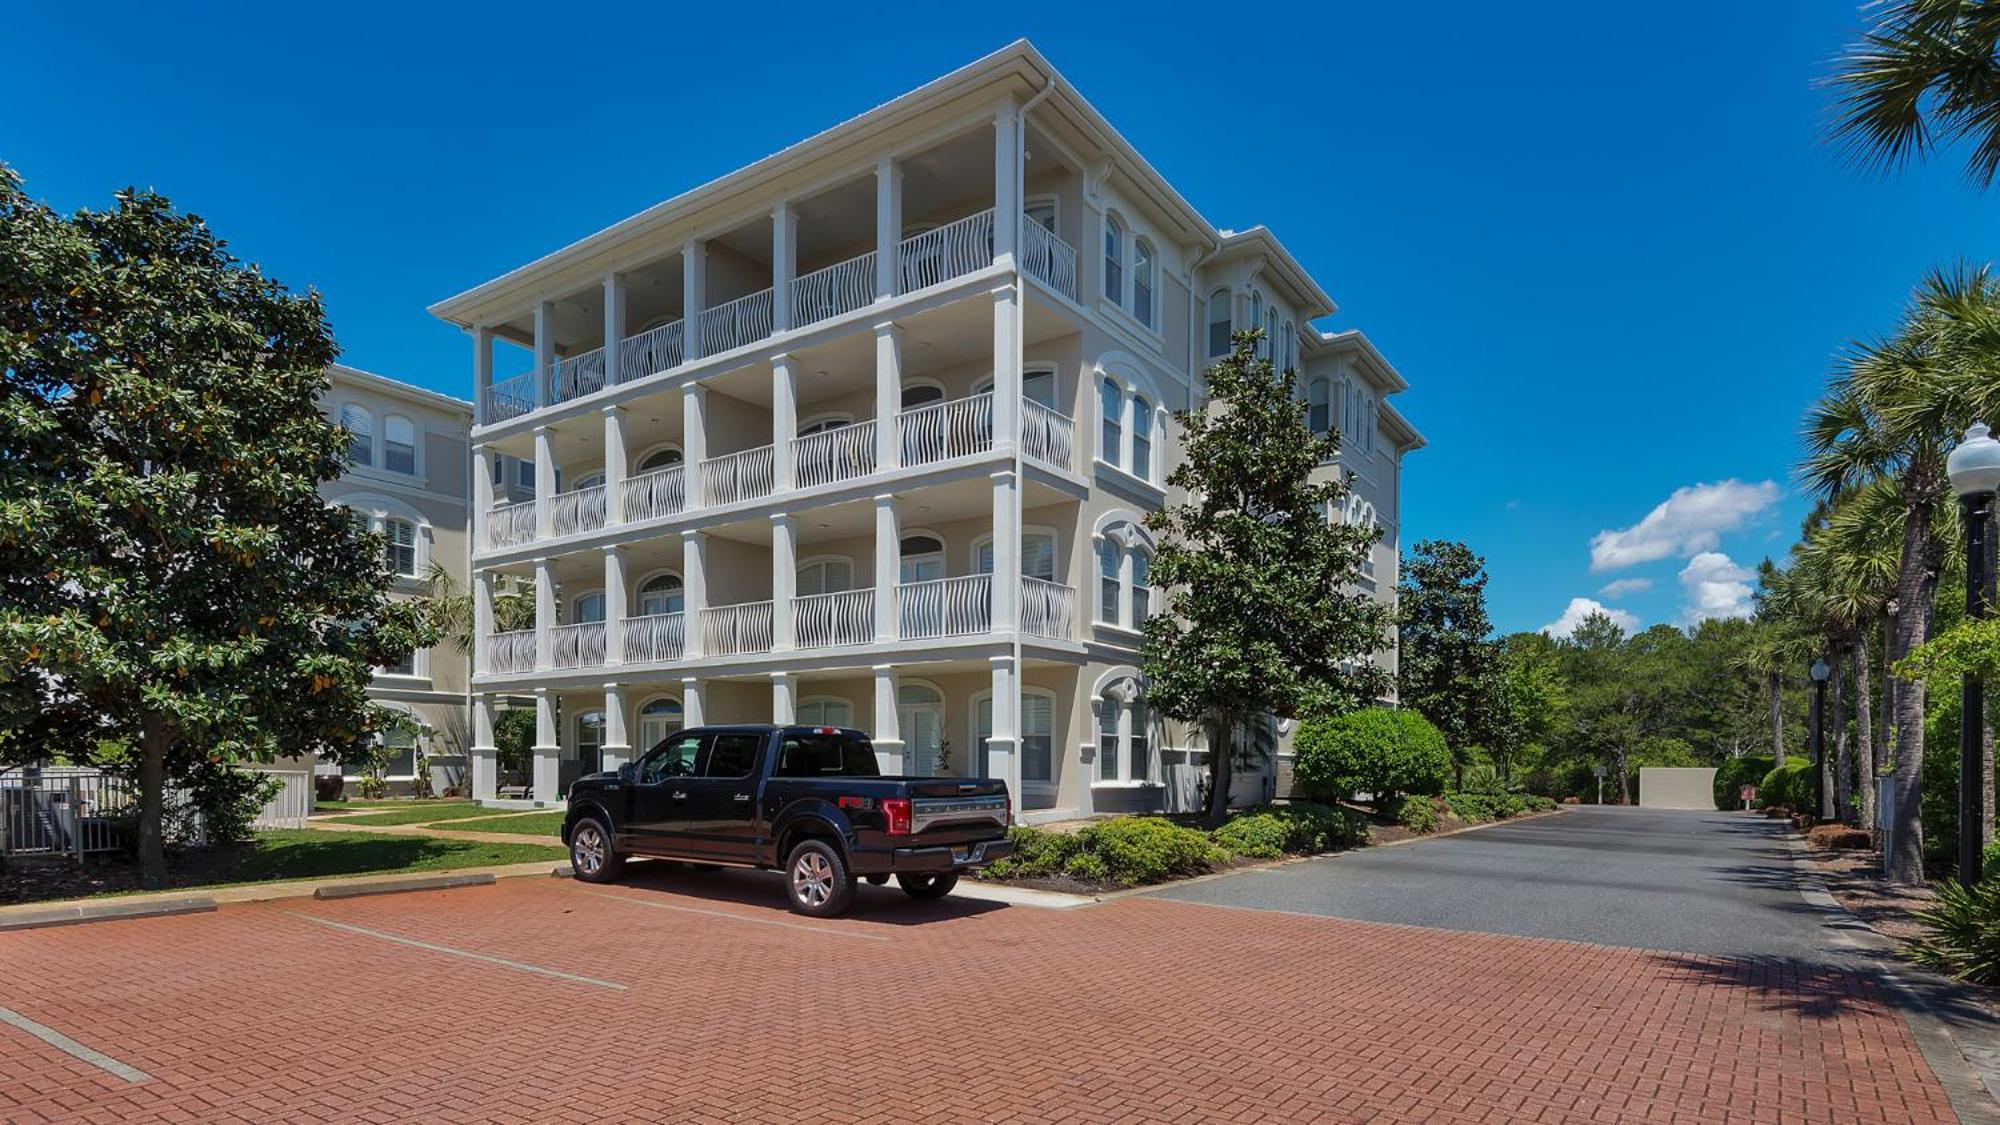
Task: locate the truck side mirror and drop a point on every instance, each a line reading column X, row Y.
column 628, row 772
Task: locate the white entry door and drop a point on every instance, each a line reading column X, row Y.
column 920, row 718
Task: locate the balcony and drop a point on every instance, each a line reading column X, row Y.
column 509, row 652
column 930, row 258
column 650, row 496
column 654, row 637
column 1048, row 609
column 958, row 427
column 945, row 607
column 734, row 630
column 736, row 477
column 832, row 456
column 576, row 511
column 834, row 620
column 510, row 525
column 577, row 646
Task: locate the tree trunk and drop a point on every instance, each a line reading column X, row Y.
column 1775, row 689
column 1624, row 781
column 153, row 744
column 1885, row 742
column 1842, row 779
column 1864, row 734
column 1916, row 582
column 1221, row 755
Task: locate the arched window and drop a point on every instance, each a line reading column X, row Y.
column 826, row 713
column 822, row 425
column 921, row 394
column 1111, row 435
column 1142, row 593
column 360, row 426
column 399, row 552
column 1291, row 347
column 1271, row 332
column 922, row 558
column 1114, row 260
column 825, row 576
column 657, row 720
column 1108, row 587
column 1124, row 733
column 661, row 594
column 1142, row 438
column 1142, row 282
column 1319, row 406
column 1257, row 317
column 1108, row 755
column 399, row 445
column 589, row 608
column 660, row 459
column 1038, row 384
column 1219, row 326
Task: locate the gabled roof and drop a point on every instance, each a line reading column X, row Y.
column 396, row 388
column 1285, row 269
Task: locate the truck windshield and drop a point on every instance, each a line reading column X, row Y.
column 826, row 755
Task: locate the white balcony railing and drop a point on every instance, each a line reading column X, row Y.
column 952, row 250
column 742, row 321
column 1046, row 434
column 509, row 652
column 826, row 293
column 832, row 456
column 509, row 525
column 1048, row 609
column 654, row 637
column 650, row 352
column 738, row 476
column 510, row 398
column 945, row 607
column 579, row 375
column 729, row 630
column 577, row 646
column 1048, row 259
column 943, row 430
column 648, row 496
column 831, row 620
column 577, row 511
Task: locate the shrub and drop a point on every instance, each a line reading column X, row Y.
column 1038, row 853
column 222, row 802
column 1147, row 849
column 1417, row 814
column 1270, row 831
column 1788, row 785
column 1255, row 835
column 1088, row 867
column 1733, row 774
column 1964, row 938
column 1382, row 751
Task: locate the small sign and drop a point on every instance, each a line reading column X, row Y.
column 1599, row 771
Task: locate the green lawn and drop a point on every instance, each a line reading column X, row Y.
column 304, row 853
column 521, row 824
column 357, row 803
column 417, row 816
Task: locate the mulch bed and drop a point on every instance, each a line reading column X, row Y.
column 40, row 880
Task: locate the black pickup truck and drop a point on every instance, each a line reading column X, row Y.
column 808, row 800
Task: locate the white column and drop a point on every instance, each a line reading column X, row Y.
column 691, row 701
column 485, row 759
column 617, row 737
column 547, row 749
column 784, row 264
column 694, row 591
column 888, row 568
column 482, row 617
column 545, row 481
column 784, row 582
column 545, row 611
column 694, row 296
column 615, row 464
column 784, row 698
column 694, row 442
column 888, row 225
column 784, row 420
column 614, row 605
column 545, row 353
column 482, row 375
column 1003, row 749
column 1006, row 366
column 1006, row 182
column 614, row 327
column 1006, row 553
column 888, row 732
column 888, row 395
column 482, row 495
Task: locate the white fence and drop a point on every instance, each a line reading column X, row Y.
column 579, row 375
column 77, row 811
column 292, row 804
column 580, row 645
column 650, row 352
column 510, row 398
column 946, row 607
column 1047, row 258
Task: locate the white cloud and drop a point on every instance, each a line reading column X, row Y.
column 1580, row 608
column 1715, row 587
column 1690, row 521
column 1623, row 586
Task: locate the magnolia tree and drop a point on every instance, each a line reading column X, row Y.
column 174, row 593
column 1263, row 612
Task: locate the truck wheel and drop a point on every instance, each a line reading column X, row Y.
column 816, row 877
column 591, row 855
column 928, row 887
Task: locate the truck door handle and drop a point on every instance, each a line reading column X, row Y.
column 742, row 796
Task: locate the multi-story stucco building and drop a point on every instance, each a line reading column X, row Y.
column 407, row 477
column 865, row 433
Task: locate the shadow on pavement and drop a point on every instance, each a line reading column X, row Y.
column 765, row 891
column 1808, row 989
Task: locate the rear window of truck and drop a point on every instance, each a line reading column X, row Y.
column 826, row 755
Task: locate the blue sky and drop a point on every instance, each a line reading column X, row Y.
column 1605, row 244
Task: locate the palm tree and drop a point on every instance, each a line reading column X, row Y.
column 1923, row 78
column 513, row 605
column 1860, row 540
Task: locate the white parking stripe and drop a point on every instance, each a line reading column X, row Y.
column 468, row 954
column 71, row 1047
column 736, row 917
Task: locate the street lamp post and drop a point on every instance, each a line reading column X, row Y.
column 1974, row 469
column 1819, row 672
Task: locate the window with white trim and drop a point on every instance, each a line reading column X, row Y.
column 1256, row 318
column 1142, row 592
column 827, row 712
column 360, row 427
column 661, row 594
column 590, row 740
column 399, row 551
column 660, row 459
column 1109, row 585
column 825, row 576
column 1038, row 555
column 1319, row 405
column 1124, row 734
column 399, row 445
column 1111, row 434
column 1142, row 438
column 1142, row 281
column 398, row 749
column 588, row 609
column 922, row 558
column 1219, row 326
column 1114, row 260
column 1124, row 567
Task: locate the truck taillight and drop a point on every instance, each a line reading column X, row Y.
column 896, row 814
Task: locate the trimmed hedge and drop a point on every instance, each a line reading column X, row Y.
column 1381, row 751
column 1417, row 814
column 1789, row 785
column 1131, row 850
column 1274, row 830
column 1734, row 773
column 1475, row 807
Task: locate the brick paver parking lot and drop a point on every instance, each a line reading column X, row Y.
column 698, row 998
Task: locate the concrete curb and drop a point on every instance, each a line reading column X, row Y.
column 398, row 886
column 277, row 889
column 79, row 913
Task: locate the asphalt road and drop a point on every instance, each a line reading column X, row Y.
column 1691, row 882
